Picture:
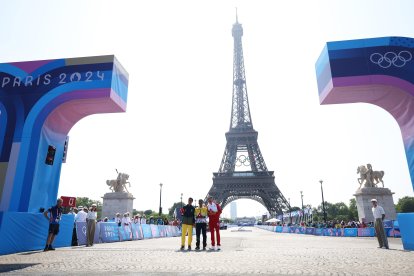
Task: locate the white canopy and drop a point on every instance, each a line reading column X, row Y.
column 273, row 220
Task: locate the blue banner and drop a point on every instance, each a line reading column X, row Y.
column 81, row 233
column 301, row 230
column 366, row 232
column 350, row 232
column 96, row 238
column 125, row 232
column 109, row 232
column 161, row 230
column 137, row 233
column 318, row 231
column 155, row 231
column 146, row 229
column 81, row 228
column 332, row 232
column 175, row 232
column 310, row 231
column 397, row 233
column 389, row 232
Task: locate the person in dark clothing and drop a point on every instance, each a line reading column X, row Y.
column 201, row 224
column 54, row 219
column 74, row 237
column 187, row 224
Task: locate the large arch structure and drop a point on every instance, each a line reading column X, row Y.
column 40, row 101
column 378, row 71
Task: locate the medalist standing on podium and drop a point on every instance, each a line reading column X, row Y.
column 201, row 224
column 188, row 221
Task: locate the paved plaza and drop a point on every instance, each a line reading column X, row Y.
column 255, row 252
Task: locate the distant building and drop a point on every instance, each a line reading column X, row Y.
column 245, row 221
column 233, row 210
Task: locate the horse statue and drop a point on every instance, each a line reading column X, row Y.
column 369, row 176
column 118, row 185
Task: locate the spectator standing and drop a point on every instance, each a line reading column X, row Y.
column 379, row 216
column 129, row 221
column 143, row 219
column 74, row 237
column 81, row 215
column 201, row 224
column 91, row 224
column 187, row 213
column 214, row 211
column 160, row 221
column 118, row 219
column 53, row 215
column 126, row 223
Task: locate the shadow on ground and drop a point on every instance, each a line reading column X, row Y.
column 14, row 267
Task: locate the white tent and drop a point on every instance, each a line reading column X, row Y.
column 272, row 220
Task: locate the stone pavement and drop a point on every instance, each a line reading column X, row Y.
column 243, row 253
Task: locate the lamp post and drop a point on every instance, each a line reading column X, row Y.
column 303, row 211
column 160, row 212
column 181, row 200
column 323, row 203
column 279, row 200
column 301, row 195
column 290, row 212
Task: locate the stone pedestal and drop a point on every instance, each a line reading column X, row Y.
column 117, row 203
column 384, row 197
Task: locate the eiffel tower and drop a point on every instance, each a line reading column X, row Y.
column 242, row 151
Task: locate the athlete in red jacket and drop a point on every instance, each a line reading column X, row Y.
column 214, row 211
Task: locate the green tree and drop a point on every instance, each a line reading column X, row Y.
column 316, row 215
column 172, row 209
column 334, row 211
column 148, row 212
column 353, row 211
column 405, row 205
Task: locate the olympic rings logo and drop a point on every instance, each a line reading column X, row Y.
column 391, row 58
column 242, row 161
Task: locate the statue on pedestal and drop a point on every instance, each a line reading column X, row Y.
column 118, row 185
column 369, row 176
column 368, row 189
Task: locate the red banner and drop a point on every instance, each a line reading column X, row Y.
column 68, row 201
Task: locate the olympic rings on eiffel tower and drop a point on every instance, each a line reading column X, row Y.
column 242, row 161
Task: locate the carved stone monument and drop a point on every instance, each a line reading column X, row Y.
column 368, row 190
column 119, row 200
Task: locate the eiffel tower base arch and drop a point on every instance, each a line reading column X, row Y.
column 258, row 186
